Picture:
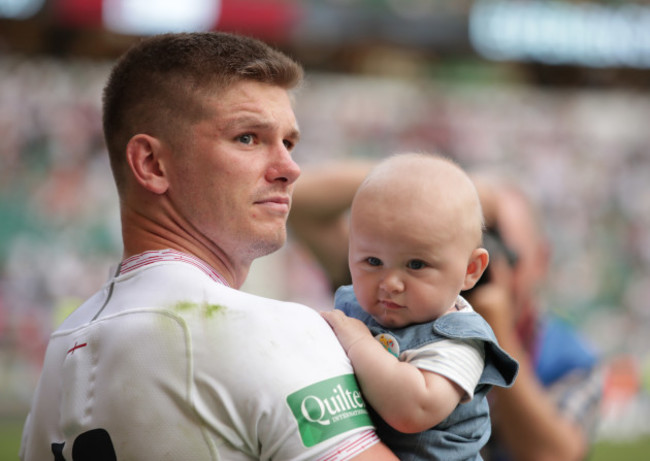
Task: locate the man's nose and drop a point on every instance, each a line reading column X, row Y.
column 283, row 167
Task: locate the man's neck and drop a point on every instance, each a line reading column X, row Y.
column 141, row 234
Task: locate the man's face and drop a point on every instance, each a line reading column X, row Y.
column 233, row 179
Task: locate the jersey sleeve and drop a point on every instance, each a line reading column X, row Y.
column 286, row 393
column 460, row 361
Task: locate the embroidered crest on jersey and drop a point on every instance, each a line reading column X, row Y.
column 328, row 408
column 389, row 342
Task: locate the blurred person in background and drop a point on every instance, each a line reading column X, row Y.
column 551, row 412
column 169, row 360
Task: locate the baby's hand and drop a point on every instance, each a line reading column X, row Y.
column 347, row 329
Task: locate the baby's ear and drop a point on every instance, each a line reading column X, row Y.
column 477, row 264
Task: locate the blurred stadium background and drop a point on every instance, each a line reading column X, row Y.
column 556, row 93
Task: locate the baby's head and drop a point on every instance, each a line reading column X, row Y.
column 415, row 236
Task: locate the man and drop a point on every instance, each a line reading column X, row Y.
column 169, row 360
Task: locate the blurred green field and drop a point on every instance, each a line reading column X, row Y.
column 10, row 439
column 638, row 450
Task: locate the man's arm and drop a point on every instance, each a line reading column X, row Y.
column 318, row 218
column 408, row 399
column 377, row 452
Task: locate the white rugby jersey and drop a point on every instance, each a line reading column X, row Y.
column 168, row 363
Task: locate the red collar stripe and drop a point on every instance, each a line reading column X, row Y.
column 152, row 257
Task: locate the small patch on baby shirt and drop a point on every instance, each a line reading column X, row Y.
column 389, row 342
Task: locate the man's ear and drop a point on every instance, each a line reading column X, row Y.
column 143, row 152
column 477, row 264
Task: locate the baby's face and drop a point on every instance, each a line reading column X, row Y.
column 408, row 264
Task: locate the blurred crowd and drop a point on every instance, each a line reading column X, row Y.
column 583, row 155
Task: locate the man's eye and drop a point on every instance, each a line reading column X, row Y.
column 415, row 264
column 373, row 261
column 246, row 138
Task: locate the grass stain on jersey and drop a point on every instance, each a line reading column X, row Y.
column 185, row 305
column 209, row 309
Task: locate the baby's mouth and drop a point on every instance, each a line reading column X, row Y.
column 391, row 305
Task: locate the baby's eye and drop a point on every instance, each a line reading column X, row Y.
column 373, row 261
column 246, row 138
column 416, row 264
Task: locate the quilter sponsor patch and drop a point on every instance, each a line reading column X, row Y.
column 328, row 408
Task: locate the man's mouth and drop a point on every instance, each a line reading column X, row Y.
column 277, row 204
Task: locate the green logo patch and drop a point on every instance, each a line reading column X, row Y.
column 328, row 408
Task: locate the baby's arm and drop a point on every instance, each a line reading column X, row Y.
column 407, row 398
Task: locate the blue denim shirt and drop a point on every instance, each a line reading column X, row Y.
column 467, row 429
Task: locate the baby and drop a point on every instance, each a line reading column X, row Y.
column 424, row 359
